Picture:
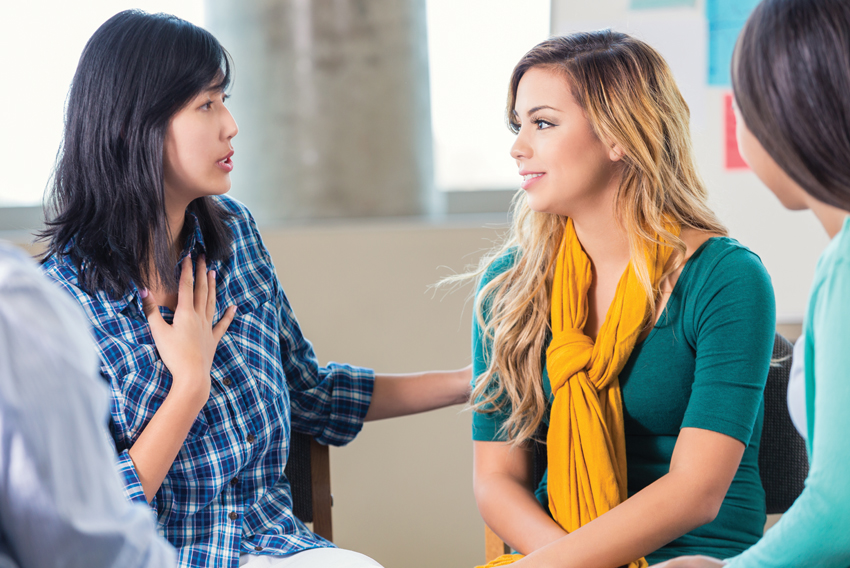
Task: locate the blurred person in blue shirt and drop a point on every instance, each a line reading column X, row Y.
column 61, row 501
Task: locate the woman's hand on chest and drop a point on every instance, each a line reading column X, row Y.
column 187, row 346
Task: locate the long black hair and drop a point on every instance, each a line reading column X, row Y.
column 106, row 204
column 791, row 77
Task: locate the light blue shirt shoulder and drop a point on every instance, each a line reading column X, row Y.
column 61, row 499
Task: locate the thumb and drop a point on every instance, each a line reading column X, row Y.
column 224, row 323
column 150, row 307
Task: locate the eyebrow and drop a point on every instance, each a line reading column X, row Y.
column 538, row 108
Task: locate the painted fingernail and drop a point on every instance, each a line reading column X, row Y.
column 212, row 273
column 143, row 293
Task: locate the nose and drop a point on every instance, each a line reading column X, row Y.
column 229, row 128
column 520, row 149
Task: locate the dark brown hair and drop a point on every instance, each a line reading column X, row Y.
column 106, row 204
column 791, row 78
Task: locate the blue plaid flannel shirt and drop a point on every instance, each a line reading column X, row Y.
column 226, row 493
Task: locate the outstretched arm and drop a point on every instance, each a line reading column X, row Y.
column 400, row 395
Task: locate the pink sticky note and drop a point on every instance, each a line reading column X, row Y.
column 734, row 161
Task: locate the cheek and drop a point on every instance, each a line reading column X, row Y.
column 583, row 161
column 768, row 171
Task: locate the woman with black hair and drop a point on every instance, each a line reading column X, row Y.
column 791, row 77
column 207, row 365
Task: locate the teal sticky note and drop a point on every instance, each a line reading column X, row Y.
column 729, row 10
column 726, row 19
column 650, row 4
column 721, row 45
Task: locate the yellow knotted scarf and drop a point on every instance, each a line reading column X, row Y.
column 586, row 442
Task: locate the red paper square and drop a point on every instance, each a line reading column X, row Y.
column 734, row 161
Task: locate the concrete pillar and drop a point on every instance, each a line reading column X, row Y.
column 332, row 102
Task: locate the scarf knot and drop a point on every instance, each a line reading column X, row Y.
column 569, row 352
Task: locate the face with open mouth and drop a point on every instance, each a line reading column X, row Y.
column 198, row 149
column 563, row 164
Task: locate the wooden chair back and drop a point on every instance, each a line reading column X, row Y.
column 309, row 473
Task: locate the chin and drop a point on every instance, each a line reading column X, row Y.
column 536, row 204
column 790, row 202
column 539, row 205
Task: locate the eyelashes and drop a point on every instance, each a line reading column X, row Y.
column 208, row 105
column 515, row 125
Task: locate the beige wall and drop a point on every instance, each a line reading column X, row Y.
column 403, row 489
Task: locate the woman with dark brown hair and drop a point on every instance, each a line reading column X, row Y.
column 791, row 77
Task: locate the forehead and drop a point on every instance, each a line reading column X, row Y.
column 541, row 86
column 210, row 91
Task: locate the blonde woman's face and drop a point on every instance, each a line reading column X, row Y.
column 565, row 167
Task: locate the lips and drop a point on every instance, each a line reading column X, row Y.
column 226, row 163
column 530, row 178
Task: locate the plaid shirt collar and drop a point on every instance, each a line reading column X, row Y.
column 194, row 245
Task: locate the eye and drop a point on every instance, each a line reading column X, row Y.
column 207, row 105
column 224, row 97
column 542, row 124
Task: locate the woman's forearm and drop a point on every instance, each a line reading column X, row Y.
column 660, row 513
column 514, row 513
column 399, row 395
column 163, row 436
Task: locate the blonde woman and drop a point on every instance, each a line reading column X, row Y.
column 619, row 290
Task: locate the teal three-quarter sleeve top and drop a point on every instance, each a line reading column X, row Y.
column 815, row 531
column 703, row 365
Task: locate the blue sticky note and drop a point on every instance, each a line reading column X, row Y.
column 726, row 19
column 729, row 10
column 650, row 4
column 721, row 45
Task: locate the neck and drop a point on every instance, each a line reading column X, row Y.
column 175, row 213
column 832, row 218
column 600, row 235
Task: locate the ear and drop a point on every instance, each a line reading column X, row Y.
column 615, row 153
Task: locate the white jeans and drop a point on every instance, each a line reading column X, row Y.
column 312, row 558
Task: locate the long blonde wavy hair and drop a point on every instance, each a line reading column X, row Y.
column 629, row 97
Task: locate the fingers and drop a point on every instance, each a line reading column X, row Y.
column 201, row 284
column 150, row 308
column 210, row 294
column 221, row 327
column 185, row 290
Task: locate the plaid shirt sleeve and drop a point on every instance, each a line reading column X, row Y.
column 329, row 402
column 132, row 484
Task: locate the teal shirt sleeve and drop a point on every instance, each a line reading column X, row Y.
column 486, row 426
column 733, row 314
column 814, row 531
